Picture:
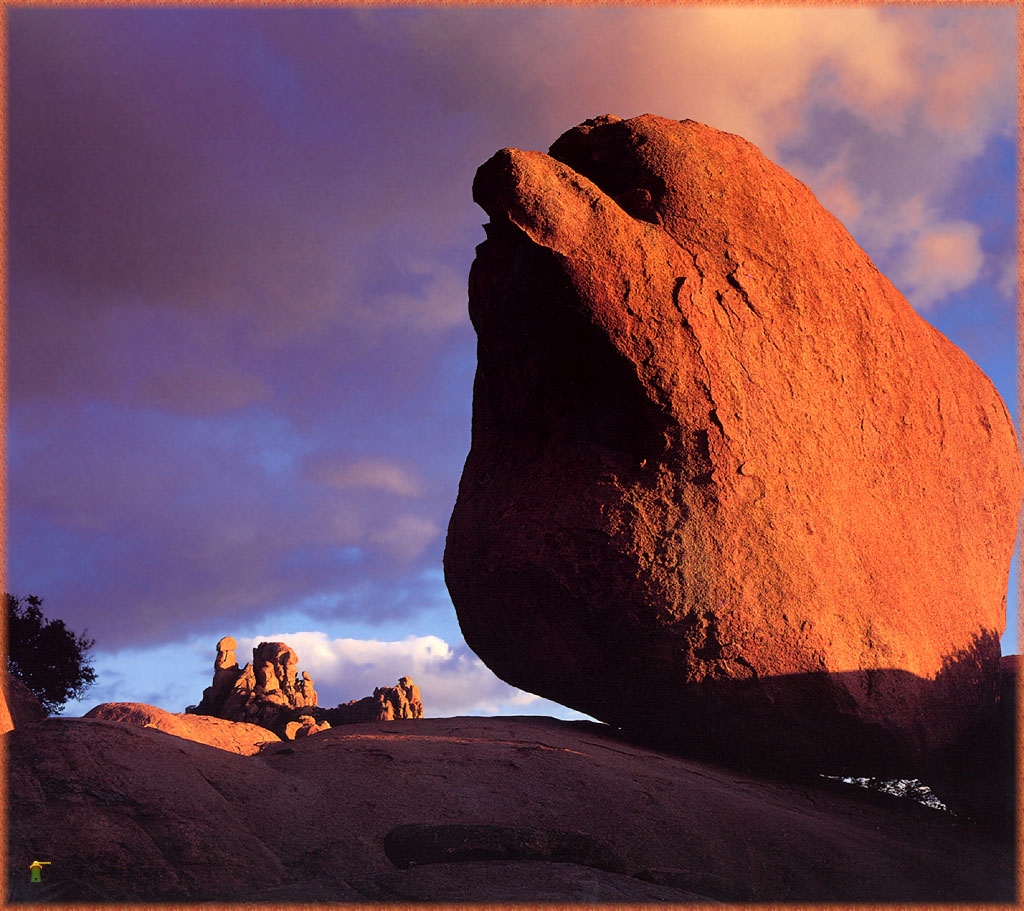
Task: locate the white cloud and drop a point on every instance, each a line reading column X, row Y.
column 745, row 69
column 834, row 189
column 933, row 257
column 969, row 62
column 453, row 681
column 766, row 61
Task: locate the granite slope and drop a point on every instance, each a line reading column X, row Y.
column 551, row 810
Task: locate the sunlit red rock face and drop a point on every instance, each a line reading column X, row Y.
column 233, row 736
column 267, row 691
column 386, row 704
column 725, row 485
column 18, row 704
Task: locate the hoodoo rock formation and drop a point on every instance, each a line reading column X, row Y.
column 264, row 692
column 386, row 704
column 717, row 456
column 267, row 692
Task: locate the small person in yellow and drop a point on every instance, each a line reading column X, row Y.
column 36, row 870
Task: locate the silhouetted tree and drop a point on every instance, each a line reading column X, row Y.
column 45, row 655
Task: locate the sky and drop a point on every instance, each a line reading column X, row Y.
column 240, row 361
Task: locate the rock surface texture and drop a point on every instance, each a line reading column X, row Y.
column 488, row 810
column 716, row 456
column 416, row 844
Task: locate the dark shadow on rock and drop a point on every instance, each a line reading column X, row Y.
column 416, row 844
column 700, row 882
column 976, row 777
column 529, row 884
column 54, row 892
column 143, row 815
column 801, row 726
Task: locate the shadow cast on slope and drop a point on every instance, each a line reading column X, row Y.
column 955, row 732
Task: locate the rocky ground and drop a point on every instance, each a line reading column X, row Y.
column 457, row 809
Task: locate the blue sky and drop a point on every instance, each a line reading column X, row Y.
column 241, row 364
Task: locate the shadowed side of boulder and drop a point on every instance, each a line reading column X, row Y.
column 977, row 777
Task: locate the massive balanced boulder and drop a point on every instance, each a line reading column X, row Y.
column 725, row 486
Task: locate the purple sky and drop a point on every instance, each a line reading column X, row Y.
column 240, row 359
